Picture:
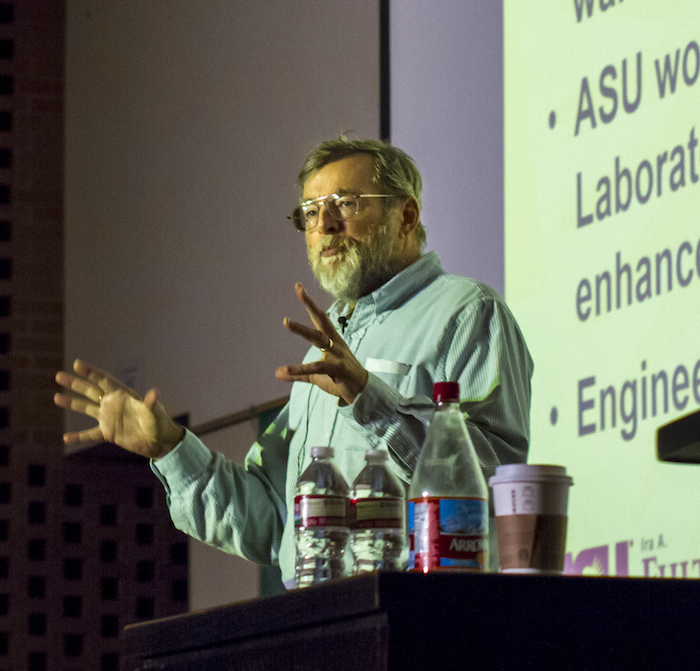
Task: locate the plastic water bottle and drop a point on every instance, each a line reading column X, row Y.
column 377, row 516
column 448, row 496
column 321, row 528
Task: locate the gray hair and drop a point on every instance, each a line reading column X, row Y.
column 395, row 171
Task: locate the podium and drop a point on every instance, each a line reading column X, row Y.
column 408, row 622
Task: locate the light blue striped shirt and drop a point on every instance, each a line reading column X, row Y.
column 421, row 327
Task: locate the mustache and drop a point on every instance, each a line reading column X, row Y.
column 335, row 241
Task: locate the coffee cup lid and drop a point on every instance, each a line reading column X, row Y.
column 530, row 473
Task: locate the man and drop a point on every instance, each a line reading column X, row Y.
column 404, row 324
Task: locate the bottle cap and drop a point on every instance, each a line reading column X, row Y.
column 445, row 391
column 376, row 456
column 322, row 452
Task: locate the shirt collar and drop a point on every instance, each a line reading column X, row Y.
column 399, row 288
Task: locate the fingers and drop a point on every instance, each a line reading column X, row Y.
column 314, row 336
column 285, row 374
column 337, row 372
column 304, row 372
column 76, row 404
column 105, row 381
column 151, row 398
column 90, row 435
column 318, row 316
column 92, row 383
column 80, row 386
column 324, row 334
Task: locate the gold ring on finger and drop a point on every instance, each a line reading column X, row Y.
column 328, row 347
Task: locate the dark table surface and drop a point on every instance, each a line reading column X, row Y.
column 443, row 620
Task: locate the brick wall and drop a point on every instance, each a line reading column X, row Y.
column 86, row 545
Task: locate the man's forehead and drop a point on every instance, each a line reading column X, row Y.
column 351, row 174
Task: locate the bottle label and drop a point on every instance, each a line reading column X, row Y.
column 447, row 533
column 312, row 510
column 376, row 513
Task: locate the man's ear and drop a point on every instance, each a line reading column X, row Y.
column 410, row 216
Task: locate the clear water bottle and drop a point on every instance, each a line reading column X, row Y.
column 377, row 516
column 321, row 510
column 448, row 496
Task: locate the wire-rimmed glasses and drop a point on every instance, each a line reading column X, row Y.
column 339, row 206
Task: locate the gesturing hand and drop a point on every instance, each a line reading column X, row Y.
column 124, row 418
column 338, row 372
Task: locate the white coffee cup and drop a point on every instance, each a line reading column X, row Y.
column 531, row 503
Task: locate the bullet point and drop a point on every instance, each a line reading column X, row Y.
column 553, row 416
column 552, row 119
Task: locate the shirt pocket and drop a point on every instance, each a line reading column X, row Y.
column 394, row 373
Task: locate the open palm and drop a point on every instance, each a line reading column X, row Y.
column 139, row 425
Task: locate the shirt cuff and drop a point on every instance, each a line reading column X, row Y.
column 373, row 404
column 184, row 462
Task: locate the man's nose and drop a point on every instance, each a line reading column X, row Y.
column 326, row 222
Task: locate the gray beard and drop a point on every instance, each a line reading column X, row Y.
column 360, row 268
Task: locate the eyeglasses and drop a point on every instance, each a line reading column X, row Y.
column 306, row 216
